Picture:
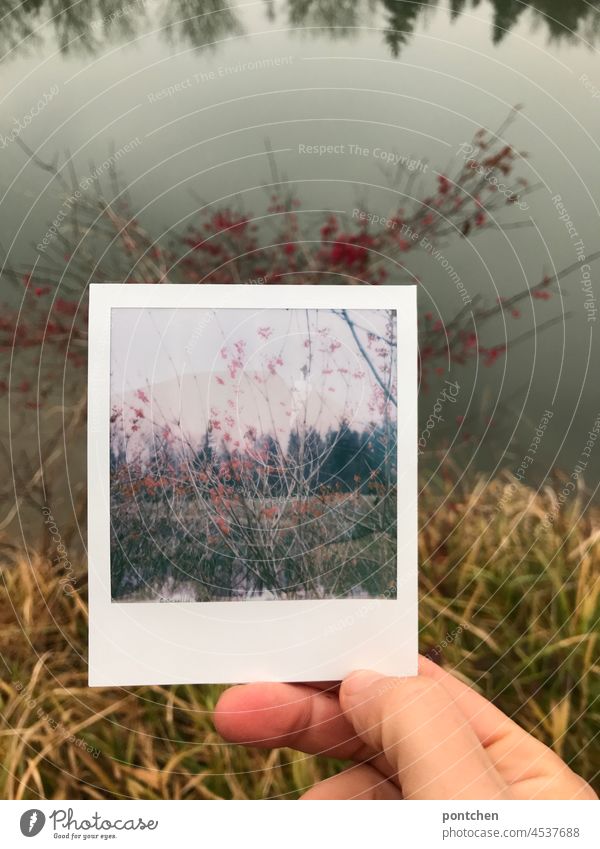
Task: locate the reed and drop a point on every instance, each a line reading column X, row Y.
column 510, row 608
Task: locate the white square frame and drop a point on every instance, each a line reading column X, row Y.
column 238, row 641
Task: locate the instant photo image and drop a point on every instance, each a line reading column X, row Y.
column 253, row 454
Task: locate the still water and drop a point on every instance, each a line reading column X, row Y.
column 209, row 101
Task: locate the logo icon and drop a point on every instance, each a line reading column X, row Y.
column 32, row 822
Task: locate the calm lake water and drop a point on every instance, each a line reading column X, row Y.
column 206, row 86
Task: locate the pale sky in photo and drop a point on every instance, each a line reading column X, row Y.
column 184, row 352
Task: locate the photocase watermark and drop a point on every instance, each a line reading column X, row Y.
column 32, row 822
column 448, row 395
column 198, row 330
column 122, row 12
column 22, row 123
column 90, row 827
column 360, row 612
column 96, row 376
column 466, row 150
column 65, row 818
column 527, row 459
column 448, row 268
column 578, row 470
column 450, row 638
column 322, row 149
column 410, row 234
column 589, row 303
column 61, row 559
column 346, row 149
column 389, row 223
column 564, row 216
column 588, row 85
column 201, row 77
column 301, row 392
column 32, row 704
column 390, row 157
column 84, row 184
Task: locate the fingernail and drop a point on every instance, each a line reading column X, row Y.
column 356, row 682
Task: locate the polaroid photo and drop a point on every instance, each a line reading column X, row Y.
column 252, row 467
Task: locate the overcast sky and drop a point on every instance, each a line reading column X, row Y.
column 152, row 346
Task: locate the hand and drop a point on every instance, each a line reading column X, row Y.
column 428, row 737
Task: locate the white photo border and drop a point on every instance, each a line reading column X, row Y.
column 240, row 641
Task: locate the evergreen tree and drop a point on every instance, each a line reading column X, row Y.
column 343, row 448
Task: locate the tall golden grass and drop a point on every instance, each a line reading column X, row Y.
column 511, row 610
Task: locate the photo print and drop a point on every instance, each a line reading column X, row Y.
column 253, row 437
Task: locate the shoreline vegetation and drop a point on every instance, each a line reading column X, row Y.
column 534, row 653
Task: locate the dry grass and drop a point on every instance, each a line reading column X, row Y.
column 530, row 601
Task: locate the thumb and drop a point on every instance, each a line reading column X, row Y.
column 425, row 738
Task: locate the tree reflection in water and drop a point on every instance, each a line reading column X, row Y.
column 93, row 25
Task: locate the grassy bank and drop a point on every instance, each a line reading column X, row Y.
column 316, row 546
column 510, row 607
